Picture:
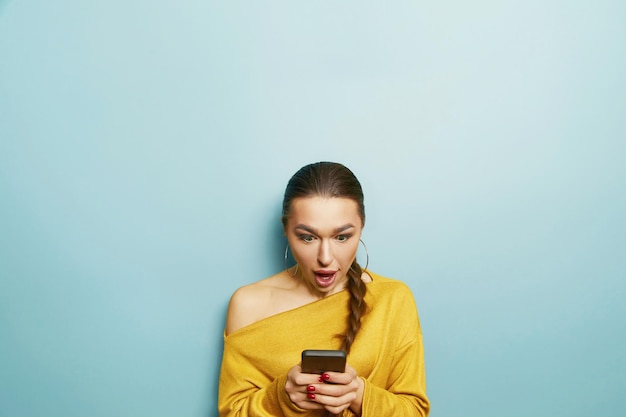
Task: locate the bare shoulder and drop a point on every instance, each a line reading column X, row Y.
column 243, row 307
column 254, row 302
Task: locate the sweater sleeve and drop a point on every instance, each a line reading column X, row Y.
column 406, row 396
column 269, row 401
column 246, row 391
column 405, row 392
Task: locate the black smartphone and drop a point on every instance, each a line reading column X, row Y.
column 320, row 361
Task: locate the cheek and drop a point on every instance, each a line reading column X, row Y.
column 300, row 251
column 348, row 253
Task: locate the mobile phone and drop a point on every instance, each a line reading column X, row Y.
column 320, row 361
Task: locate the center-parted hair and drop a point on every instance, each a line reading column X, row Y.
column 331, row 179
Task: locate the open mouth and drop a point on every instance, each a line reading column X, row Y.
column 325, row 278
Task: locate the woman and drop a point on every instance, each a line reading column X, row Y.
column 325, row 301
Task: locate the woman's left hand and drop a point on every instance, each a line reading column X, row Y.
column 338, row 391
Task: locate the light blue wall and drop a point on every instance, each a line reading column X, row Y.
column 145, row 145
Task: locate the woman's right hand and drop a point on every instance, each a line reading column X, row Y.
column 298, row 385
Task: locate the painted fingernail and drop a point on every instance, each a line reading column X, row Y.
column 325, row 377
column 321, row 379
column 310, row 388
column 311, row 396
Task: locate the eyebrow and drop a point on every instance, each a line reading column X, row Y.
column 315, row 232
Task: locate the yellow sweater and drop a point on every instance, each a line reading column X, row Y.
column 387, row 354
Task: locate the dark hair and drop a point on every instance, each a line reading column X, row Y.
column 331, row 179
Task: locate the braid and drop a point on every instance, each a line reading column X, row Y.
column 357, row 305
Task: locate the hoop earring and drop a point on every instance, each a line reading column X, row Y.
column 286, row 267
column 367, row 256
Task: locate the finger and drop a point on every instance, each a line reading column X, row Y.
column 308, row 405
column 341, row 377
column 305, row 400
column 306, row 379
column 335, row 390
column 337, row 404
column 338, row 377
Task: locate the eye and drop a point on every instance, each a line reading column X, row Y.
column 307, row 238
column 343, row 238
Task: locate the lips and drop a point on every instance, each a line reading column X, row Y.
column 325, row 278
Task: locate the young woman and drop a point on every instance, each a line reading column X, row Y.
column 325, row 301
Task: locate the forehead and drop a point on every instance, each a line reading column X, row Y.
column 322, row 212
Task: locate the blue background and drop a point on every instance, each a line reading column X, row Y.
column 145, row 146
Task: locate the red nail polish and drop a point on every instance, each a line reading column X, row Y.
column 310, row 388
column 311, row 396
column 321, row 379
column 325, row 377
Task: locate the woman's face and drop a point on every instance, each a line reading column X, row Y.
column 324, row 234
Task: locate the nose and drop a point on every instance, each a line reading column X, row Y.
column 324, row 255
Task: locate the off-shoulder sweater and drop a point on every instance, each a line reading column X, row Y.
column 387, row 354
